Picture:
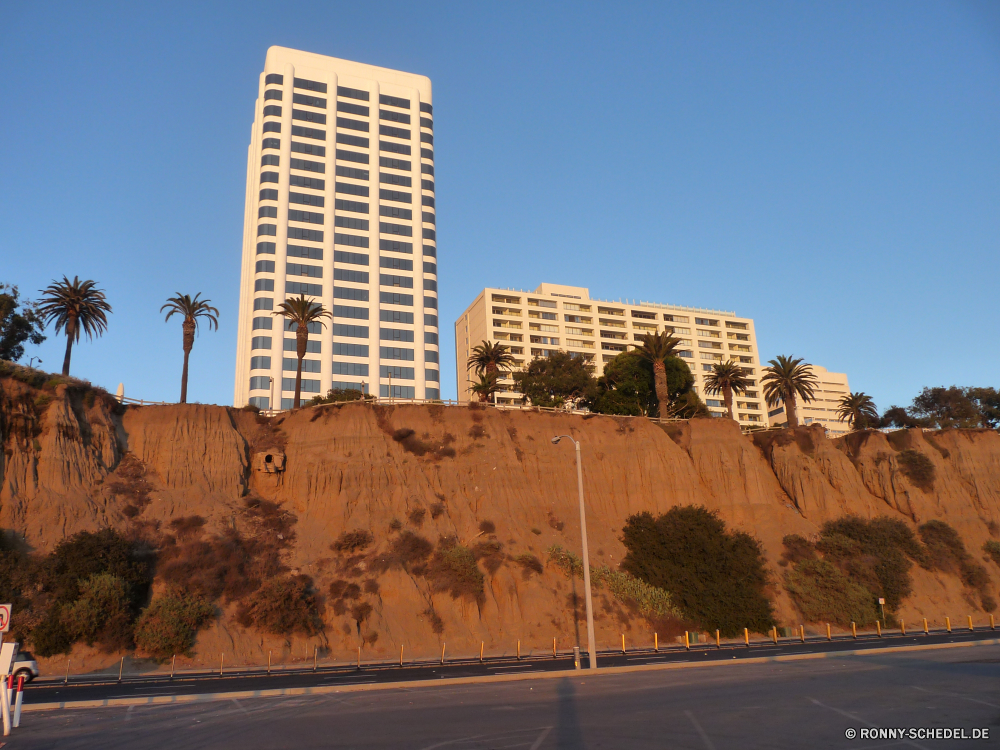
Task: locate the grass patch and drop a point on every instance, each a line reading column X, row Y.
column 350, row 542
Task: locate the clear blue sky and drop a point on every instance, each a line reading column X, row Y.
column 830, row 169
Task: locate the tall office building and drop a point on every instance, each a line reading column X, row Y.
column 831, row 387
column 565, row 318
column 339, row 207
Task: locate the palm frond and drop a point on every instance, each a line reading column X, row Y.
column 76, row 306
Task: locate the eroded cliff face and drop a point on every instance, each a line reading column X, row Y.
column 367, row 467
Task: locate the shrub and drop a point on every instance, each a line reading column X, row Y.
column 823, row 593
column 797, row 549
column 715, row 577
column 353, row 541
column 487, row 527
column 282, row 605
column 76, row 559
column 101, row 613
column 946, row 551
column 992, row 548
column 406, row 551
column 569, row 563
column 51, row 637
column 529, row 564
column 918, row 468
column 170, row 624
column 437, row 509
column 360, row 611
column 416, row 516
column 187, row 525
column 651, row 601
column 453, row 569
column 490, row 552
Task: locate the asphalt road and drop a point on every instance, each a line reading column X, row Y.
column 107, row 687
column 797, row 704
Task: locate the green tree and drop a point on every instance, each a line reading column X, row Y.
column 486, row 387
column 490, row 358
column 988, row 400
column 18, row 326
column 76, row 306
column 858, row 410
column 656, row 349
column 301, row 312
column 191, row 310
column 784, row 379
column 628, row 387
column 946, row 408
column 727, row 377
column 556, row 379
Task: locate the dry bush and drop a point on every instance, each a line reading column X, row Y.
column 129, row 483
column 476, row 431
column 797, row 549
column 407, row 551
column 360, row 611
column 946, row 552
column 371, row 586
column 353, row 541
column 170, row 624
column 437, row 624
column 992, row 548
column 490, row 553
column 186, row 526
column 453, row 569
column 487, row 527
column 409, row 441
column 282, row 606
column 555, row 523
column 529, row 564
column 416, row 517
column 918, row 469
column 437, row 509
column 395, row 524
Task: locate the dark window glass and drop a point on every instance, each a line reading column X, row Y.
column 432, row 303
column 352, row 156
column 301, row 114
column 429, row 217
column 430, row 356
column 396, row 316
column 306, row 199
column 385, row 161
column 352, row 109
column 427, row 200
column 355, row 206
column 352, row 93
column 427, row 185
column 430, row 338
column 260, row 382
column 384, row 114
column 357, row 259
column 306, row 386
column 387, row 178
column 350, row 189
column 395, row 352
column 308, row 148
column 350, row 368
column 298, row 233
column 348, row 292
column 430, row 267
column 260, row 363
column 298, row 180
column 426, row 153
column 398, row 264
column 350, row 350
column 270, row 160
column 394, row 101
column 427, row 169
column 347, row 274
column 296, row 287
column 301, row 251
column 352, row 140
column 304, row 83
column 425, row 107
column 430, row 285
column 266, row 248
column 426, row 123
column 433, row 376
column 395, row 246
column 430, row 250
column 430, row 320
column 263, row 285
column 298, row 269
column 309, row 217
column 395, row 334
column 386, row 228
column 308, row 166
column 349, row 222
column 354, row 313
column 264, row 266
column 357, row 174
column 395, row 195
column 424, row 137
column 396, row 148
column 272, row 127
column 290, row 364
column 268, row 212
column 309, row 101
column 351, row 332
column 260, row 342
column 272, row 94
column 395, row 212
column 267, row 230
column 269, row 194
column 344, row 122
column 395, row 298
column 397, row 373
column 270, row 143
column 318, row 135
column 387, row 279
column 397, row 391
column 352, row 240
column 393, row 132
column 262, row 324
column 312, row 347
column 430, row 234
column 274, row 78
column 272, row 110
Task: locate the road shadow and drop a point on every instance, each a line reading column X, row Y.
column 568, row 733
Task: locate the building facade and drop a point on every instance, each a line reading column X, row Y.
column 830, row 388
column 565, row 318
column 339, row 207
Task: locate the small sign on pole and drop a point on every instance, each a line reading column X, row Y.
column 4, row 617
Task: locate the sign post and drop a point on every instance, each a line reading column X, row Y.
column 881, row 604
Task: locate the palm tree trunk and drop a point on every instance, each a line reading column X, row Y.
column 790, row 413
column 70, row 333
column 662, row 392
column 188, row 343
column 727, row 396
column 301, row 337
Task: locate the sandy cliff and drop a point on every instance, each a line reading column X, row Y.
column 363, row 467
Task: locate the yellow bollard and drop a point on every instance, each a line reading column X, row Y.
column 947, row 623
column 401, row 655
column 828, row 636
column 878, row 627
column 718, row 641
column 746, row 636
column 481, row 644
column 222, row 661
column 553, row 648
column 926, row 631
column 902, row 628
column 656, row 642
column 518, row 651
column 359, row 657
column 802, row 633
column 854, row 629
column 993, row 625
column 774, row 633
column 687, row 641
column 445, row 644
column 623, row 643
column 970, row 623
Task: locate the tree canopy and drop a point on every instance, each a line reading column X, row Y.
column 628, row 388
column 945, row 408
column 556, row 379
column 20, row 323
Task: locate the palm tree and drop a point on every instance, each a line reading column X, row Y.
column 783, row 380
column 656, row 347
column 486, row 387
column 76, row 306
column 858, row 410
column 301, row 311
column 727, row 377
column 490, row 358
column 190, row 309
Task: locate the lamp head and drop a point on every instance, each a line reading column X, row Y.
column 555, row 440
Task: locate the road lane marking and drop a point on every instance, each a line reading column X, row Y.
column 854, row 717
column 955, row 695
column 541, row 738
column 704, row 737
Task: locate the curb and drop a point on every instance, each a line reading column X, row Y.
column 160, row 700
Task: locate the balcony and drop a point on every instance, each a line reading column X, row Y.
column 508, row 300
column 740, row 348
column 612, row 323
column 613, row 335
column 506, row 324
column 580, row 344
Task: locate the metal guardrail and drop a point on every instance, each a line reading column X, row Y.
column 128, row 401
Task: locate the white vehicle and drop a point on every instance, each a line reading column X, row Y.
column 26, row 666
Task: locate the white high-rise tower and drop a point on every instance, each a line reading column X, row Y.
column 339, row 207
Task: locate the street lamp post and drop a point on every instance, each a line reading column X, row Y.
column 271, row 400
column 586, row 553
